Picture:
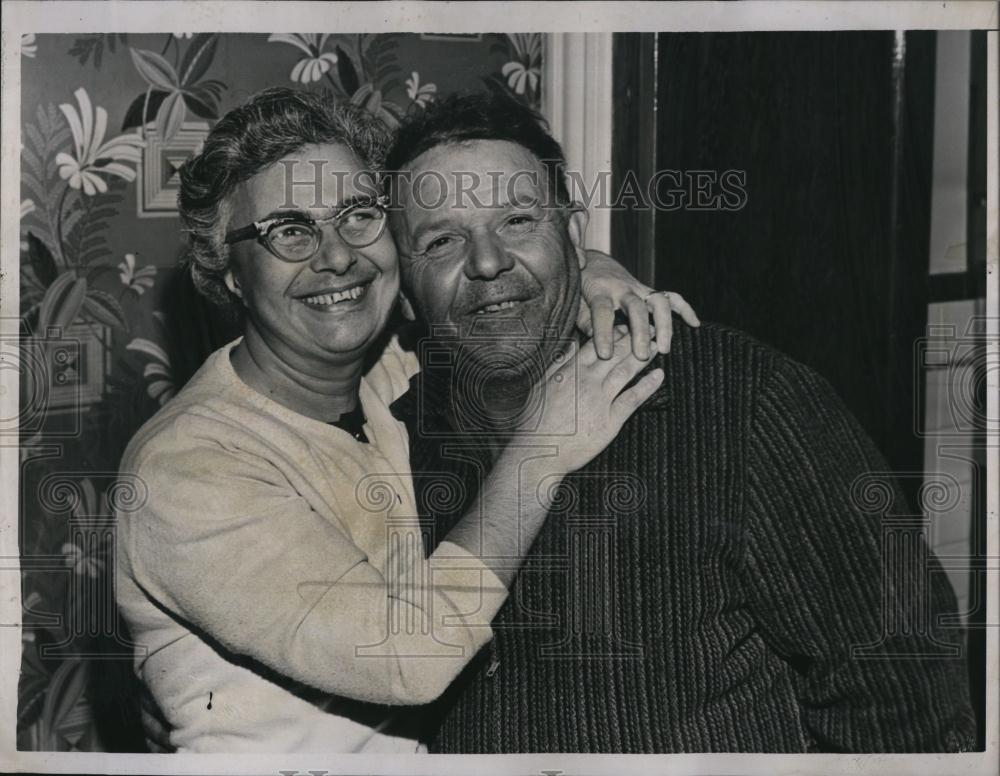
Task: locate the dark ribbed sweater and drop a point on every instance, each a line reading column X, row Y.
column 719, row 579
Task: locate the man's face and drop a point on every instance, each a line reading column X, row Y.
column 331, row 307
column 480, row 251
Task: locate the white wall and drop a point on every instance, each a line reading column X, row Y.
column 951, row 325
column 576, row 100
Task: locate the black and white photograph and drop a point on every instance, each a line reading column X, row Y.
column 388, row 389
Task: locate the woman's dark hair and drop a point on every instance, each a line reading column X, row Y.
column 271, row 125
column 481, row 116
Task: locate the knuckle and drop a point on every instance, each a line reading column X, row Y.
column 619, row 374
column 630, row 401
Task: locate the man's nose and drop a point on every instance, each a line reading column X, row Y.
column 486, row 259
column 334, row 254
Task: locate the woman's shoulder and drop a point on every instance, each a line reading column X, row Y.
column 390, row 375
column 208, row 411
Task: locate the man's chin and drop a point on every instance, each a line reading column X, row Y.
column 503, row 360
column 496, row 328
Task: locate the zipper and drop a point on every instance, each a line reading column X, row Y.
column 494, row 660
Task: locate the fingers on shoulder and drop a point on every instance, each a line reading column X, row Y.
column 630, row 400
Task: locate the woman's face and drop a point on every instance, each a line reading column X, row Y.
column 300, row 309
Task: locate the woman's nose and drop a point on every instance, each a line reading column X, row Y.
column 334, row 254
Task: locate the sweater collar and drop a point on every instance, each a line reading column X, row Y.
column 429, row 397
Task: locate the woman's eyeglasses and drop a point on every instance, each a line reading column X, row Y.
column 298, row 238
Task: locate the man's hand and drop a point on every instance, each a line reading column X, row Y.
column 607, row 286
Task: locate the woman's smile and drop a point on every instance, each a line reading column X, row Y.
column 343, row 298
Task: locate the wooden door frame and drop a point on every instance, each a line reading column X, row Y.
column 635, row 74
column 577, row 101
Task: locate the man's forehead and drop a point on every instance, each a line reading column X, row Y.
column 495, row 173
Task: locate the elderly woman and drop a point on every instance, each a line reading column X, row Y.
column 274, row 579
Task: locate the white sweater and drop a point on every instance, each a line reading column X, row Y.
column 273, row 567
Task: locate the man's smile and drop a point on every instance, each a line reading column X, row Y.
column 498, row 307
column 505, row 298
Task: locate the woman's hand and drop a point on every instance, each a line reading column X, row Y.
column 607, row 286
column 582, row 402
column 154, row 724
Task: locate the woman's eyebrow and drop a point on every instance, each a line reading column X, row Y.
column 287, row 212
column 297, row 212
column 355, row 199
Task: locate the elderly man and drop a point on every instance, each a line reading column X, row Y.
column 707, row 583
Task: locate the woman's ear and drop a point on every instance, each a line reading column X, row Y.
column 233, row 283
column 406, row 308
column 576, row 226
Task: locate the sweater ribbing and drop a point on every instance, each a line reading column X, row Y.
column 701, row 584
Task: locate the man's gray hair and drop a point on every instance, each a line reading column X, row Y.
column 271, row 125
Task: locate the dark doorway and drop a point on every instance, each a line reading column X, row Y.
column 826, row 253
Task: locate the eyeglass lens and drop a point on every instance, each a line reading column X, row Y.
column 358, row 227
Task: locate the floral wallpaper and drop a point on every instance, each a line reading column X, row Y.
column 111, row 329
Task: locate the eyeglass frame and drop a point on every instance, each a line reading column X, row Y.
column 260, row 229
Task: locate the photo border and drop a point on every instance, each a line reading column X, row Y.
column 20, row 16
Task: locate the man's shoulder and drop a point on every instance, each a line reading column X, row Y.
column 714, row 362
column 722, row 371
column 714, row 341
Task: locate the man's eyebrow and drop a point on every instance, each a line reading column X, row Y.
column 443, row 222
column 520, row 203
column 430, row 226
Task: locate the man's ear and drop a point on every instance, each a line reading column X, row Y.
column 576, row 226
column 233, row 283
column 406, row 308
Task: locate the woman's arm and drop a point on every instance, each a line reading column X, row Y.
column 607, row 286
column 585, row 405
column 227, row 544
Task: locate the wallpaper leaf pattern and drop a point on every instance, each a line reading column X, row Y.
column 174, row 90
column 95, row 159
column 80, row 179
column 524, row 70
column 88, row 45
column 316, row 62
